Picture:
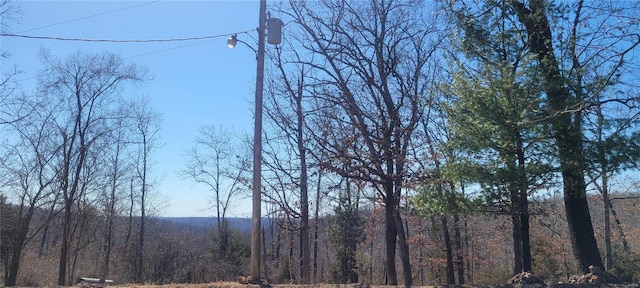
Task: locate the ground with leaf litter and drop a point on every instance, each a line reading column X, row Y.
column 595, row 278
column 238, row 285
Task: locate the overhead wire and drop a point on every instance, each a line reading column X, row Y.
column 206, row 38
column 168, row 49
column 22, row 35
column 122, row 40
column 89, row 16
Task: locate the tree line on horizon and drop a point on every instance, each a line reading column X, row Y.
column 425, row 114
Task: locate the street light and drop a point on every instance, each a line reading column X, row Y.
column 274, row 37
column 232, row 41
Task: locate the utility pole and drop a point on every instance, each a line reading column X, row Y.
column 273, row 37
column 257, row 151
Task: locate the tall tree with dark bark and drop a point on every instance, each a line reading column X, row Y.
column 566, row 120
column 575, row 74
column 604, row 79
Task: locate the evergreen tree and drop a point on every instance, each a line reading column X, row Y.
column 494, row 118
column 346, row 231
column 230, row 252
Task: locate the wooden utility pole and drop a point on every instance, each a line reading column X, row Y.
column 257, row 150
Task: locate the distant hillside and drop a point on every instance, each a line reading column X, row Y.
column 242, row 224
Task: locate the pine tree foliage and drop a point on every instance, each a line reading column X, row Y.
column 495, row 103
column 345, row 232
column 230, row 250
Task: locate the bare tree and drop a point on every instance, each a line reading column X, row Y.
column 215, row 162
column 368, row 62
column 81, row 88
column 8, row 14
column 287, row 151
column 28, row 164
column 146, row 136
column 7, row 89
column 118, row 169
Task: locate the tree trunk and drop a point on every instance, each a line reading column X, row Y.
column 352, row 272
column 140, row 250
column 64, row 250
column 19, row 243
column 514, row 211
column 602, row 159
column 110, row 211
column 107, row 247
column 623, row 237
column 139, row 270
column 390, row 238
column 14, row 266
column 16, row 253
column 567, row 133
column 468, row 243
column 45, row 231
column 132, row 201
column 305, row 257
column 517, row 242
column 404, row 251
column 524, row 207
column 316, row 216
column 459, row 261
column 526, row 243
column 451, row 278
column 421, row 256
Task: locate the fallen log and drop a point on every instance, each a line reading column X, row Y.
column 89, row 280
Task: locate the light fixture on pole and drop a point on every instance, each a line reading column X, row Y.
column 232, row 41
column 274, row 37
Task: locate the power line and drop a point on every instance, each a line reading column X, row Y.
column 21, row 35
column 121, row 40
column 168, row 49
column 138, row 56
column 90, row 16
column 204, row 38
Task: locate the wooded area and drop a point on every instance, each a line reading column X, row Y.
column 180, row 252
column 460, row 141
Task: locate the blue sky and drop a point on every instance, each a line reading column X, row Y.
column 195, row 83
